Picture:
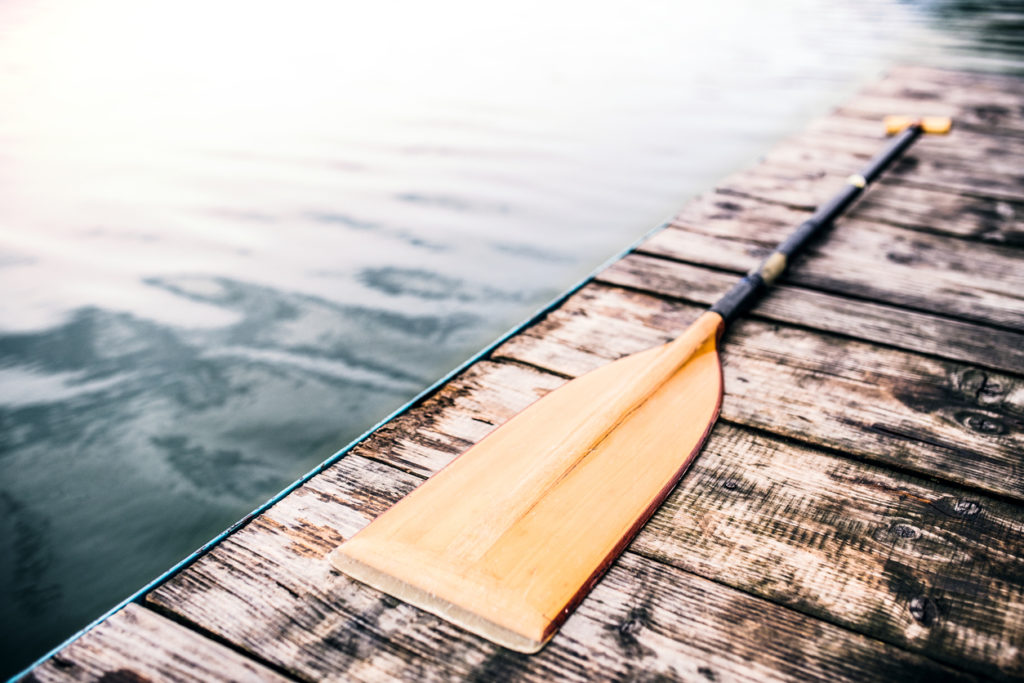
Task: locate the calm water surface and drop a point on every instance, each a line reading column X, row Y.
column 236, row 234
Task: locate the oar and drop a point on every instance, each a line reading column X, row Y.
column 509, row 537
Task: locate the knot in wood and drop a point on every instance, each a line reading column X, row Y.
column 902, row 259
column 963, row 508
column 923, row 609
column 708, row 673
column 904, row 531
column 635, row 622
column 991, row 113
column 978, row 384
column 906, row 164
column 966, row 508
column 123, row 676
column 981, row 423
column 957, row 507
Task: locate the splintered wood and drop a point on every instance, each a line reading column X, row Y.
column 856, row 514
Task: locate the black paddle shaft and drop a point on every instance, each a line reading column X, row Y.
column 747, row 290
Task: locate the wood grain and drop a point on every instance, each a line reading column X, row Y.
column 941, row 419
column 967, row 183
column 986, row 105
column 912, row 563
column 136, row 645
column 959, row 86
column 857, row 258
column 861, row 545
column 270, row 590
column 985, row 155
column 961, row 143
column 927, row 209
column 880, row 324
column 1002, row 178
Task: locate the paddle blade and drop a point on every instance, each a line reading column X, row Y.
column 511, row 535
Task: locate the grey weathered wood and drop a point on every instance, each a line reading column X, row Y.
column 420, row 442
column 862, row 137
column 864, row 259
column 903, row 560
column 1001, row 178
column 270, row 590
column 964, row 162
column 998, row 113
column 982, row 218
column 929, row 83
column 136, row 645
column 874, row 550
column 876, row 323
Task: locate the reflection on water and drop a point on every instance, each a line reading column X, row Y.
column 988, row 33
column 235, row 234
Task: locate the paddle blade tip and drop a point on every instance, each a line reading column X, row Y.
column 366, row 569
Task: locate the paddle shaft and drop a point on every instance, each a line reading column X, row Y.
column 753, row 285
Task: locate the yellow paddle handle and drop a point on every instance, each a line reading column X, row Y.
column 939, row 125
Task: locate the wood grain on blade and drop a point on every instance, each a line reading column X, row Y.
column 509, row 537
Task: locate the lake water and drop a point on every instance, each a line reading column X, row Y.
column 237, row 234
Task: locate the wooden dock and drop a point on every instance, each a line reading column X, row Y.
column 857, row 514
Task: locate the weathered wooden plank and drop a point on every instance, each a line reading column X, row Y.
column 924, row 82
column 868, row 260
column 847, row 508
column 269, row 589
column 876, row 323
column 418, row 442
column 965, row 161
column 997, row 177
column 909, row 562
column 1000, row 113
column 890, row 555
column 989, row 160
column 861, row 135
column 935, row 417
column 137, row 645
column 986, row 101
column 924, row 209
